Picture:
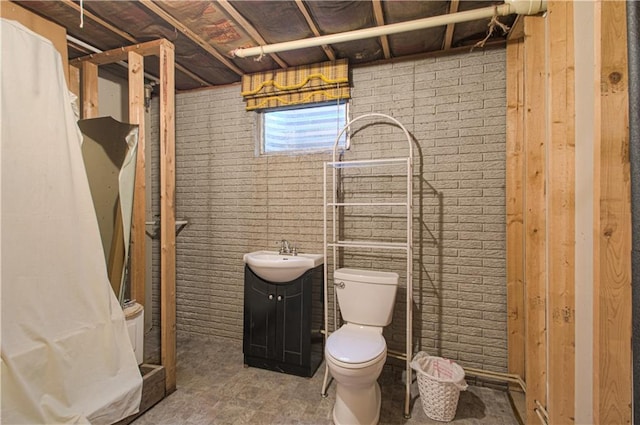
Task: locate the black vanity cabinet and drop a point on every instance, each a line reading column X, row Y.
column 282, row 323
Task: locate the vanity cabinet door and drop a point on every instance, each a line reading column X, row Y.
column 291, row 332
column 260, row 300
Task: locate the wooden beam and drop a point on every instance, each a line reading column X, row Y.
column 192, row 75
column 116, row 55
column 89, row 98
column 303, row 9
column 167, row 215
column 138, row 238
column 190, row 34
column 448, row 35
column 612, row 260
column 235, row 15
column 535, row 219
column 74, row 80
column 99, row 21
column 515, row 209
column 561, row 214
column 517, row 29
column 126, row 36
column 384, row 40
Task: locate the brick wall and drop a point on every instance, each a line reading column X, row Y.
column 237, row 202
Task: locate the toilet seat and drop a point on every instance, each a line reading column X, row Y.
column 354, row 346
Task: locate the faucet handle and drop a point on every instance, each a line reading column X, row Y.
column 284, row 246
column 294, row 250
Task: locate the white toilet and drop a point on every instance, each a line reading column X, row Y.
column 355, row 353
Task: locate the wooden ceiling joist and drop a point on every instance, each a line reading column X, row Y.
column 191, row 75
column 127, row 37
column 314, row 28
column 236, row 16
column 448, row 35
column 384, row 40
column 216, row 44
column 379, row 14
column 190, row 34
column 99, row 21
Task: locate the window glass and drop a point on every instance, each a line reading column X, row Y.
column 303, row 129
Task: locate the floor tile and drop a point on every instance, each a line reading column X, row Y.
column 214, row 387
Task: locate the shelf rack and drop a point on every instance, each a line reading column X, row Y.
column 332, row 241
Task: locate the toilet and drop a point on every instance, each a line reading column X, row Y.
column 134, row 317
column 355, row 353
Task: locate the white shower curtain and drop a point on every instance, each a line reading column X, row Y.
column 66, row 355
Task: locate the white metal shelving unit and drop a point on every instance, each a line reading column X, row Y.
column 333, row 241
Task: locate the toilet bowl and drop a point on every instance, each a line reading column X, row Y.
column 355, row 356
column 355, row 353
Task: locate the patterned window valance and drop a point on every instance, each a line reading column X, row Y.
column 297, row 86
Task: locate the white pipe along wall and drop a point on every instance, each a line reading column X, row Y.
column 522, row 7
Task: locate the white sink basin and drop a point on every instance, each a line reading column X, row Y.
column 278, row 268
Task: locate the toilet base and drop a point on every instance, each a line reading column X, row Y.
column 359, row 407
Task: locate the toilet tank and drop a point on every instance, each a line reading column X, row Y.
column 367, row 297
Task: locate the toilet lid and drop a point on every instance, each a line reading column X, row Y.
column 350, row 345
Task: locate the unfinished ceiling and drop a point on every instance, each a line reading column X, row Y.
column 206, row 33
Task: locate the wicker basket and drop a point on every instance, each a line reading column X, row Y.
column 440, row 382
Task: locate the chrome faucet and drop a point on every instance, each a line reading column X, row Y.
column 286, row 249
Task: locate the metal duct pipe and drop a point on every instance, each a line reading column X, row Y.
column 526, row 7
column 633, row 51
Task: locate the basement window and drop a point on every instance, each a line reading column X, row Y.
column 300, row 130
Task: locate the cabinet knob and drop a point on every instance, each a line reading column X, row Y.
column 279, row 297
column 270, row 296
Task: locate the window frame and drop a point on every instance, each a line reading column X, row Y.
column 261, row 116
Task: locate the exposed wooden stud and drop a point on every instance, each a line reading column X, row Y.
column 167, row 214
column 249, row 29
column 535, row 220
column 74, row 80
column 379, row 15
column 448, row 35
column 138, row 238
column 561, row 214
column 164, row 49
column 515, row 209
column 612, row 260
column 190, row 34
column 314, row 28
column 89, row 98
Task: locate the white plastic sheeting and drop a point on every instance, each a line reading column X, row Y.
column 66, row 355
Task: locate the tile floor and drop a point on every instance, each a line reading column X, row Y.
column 214, row 387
